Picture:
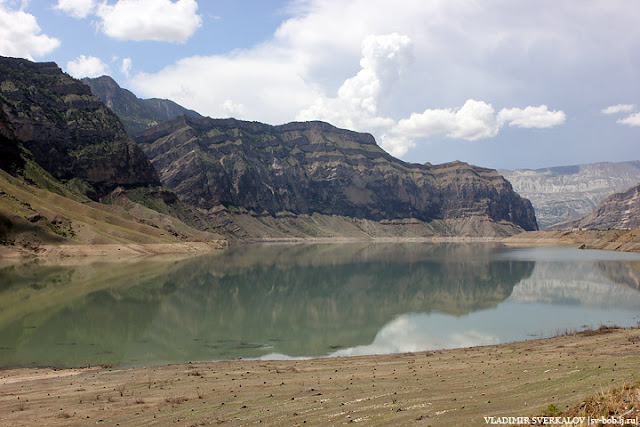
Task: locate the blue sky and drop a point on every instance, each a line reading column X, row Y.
column 496, row 83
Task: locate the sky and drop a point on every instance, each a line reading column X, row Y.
column 496, row 83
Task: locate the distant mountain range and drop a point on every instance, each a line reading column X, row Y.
column 558, row 194
column 562, row 193
column 72, row 174
column 619, row 211
column 136, row 114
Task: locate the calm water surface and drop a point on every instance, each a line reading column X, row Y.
column 287, row 301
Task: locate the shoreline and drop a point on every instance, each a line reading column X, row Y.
column 130, row 250
column 110, row 251
column 443, row 387
column 440, row 387
column 603, row 240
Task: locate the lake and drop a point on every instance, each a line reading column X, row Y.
column 307, row 300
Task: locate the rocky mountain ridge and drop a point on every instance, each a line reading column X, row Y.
column 70, row 133
column 63, row 152
column 620, row 211
column 565, row 192
column 315, row 207
column 136, row 114
column 75, row 176
column 314, row 167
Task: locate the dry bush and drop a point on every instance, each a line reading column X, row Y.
column 176, row 400
column 603, row 329
column 617, row 402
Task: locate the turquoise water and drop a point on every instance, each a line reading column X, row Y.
column 289, row 301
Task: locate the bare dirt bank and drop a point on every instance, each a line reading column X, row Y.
column 610, row 240
column 614, row 240
column 129, row 250
column 110, row 250
column 443, row 388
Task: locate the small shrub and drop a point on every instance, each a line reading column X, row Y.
column 551, row 410
column 176, row 400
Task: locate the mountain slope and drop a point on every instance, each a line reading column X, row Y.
column 620, row 211
column 70, row 133
column 31, row 217
column 136, row 114
column 60, row 148
column 565, row 192
column 314, row 168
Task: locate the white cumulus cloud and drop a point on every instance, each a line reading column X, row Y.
column 268, row 86
column 632, row 120
column 355, row 107
column 233, row 109
column 474, row 120
column 126, row 66
column 383, row 59
column 620, row 108
column 346, row 63
column 531, row 117
column 87, row 66
column 160, row 20
column 20, row 35
column 76, row 8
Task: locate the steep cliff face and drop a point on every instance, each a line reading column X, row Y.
column 566, row 192
column 69, row 131
column 10, row 159
column 136, row 114
column 313, row 167
column 620, row 211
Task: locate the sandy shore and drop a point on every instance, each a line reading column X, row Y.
column 145, row 249
column 595, row 240
column 610, row 240
column 440, row 388
column 110, row 250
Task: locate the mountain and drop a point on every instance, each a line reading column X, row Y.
column 620, row 211
column 310, row 196
column 302, row 169
column 62, row 150
column 70, row 132
column 565, row 192
column 72, row 175
column 136, row 114
column 10, row 152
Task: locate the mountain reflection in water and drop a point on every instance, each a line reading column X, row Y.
column 293, row 301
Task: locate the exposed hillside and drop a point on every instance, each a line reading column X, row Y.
column 237, row 179
column 566, row 192
column 610, row 240
column 70, row 132
column 31, row 217
column 620, row 211
column 136, row 114
column 314, row 168
column 61, row 147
